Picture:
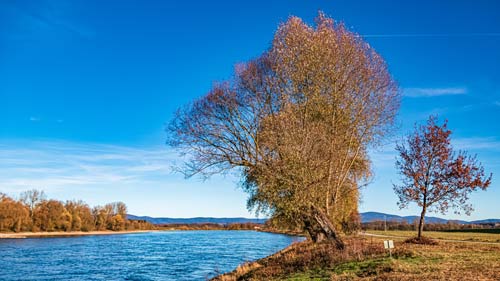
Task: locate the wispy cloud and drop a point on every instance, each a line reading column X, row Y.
column 50, row 16
column 492, row 144
column 53, row 165
column 430, row 35
column 497, row 103
column 486, row 148
column 433, row 92
column 383, row 157
column 34, row 119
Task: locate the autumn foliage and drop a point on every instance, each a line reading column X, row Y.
column 33, row 212
column 433, row 175
column 297, row 123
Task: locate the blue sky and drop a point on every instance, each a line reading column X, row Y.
column 86, row 88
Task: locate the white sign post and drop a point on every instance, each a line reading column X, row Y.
column 389, row 244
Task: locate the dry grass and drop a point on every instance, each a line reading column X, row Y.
column 303, row 257
column 446, row 261
column 422, row 240
column 365, row 259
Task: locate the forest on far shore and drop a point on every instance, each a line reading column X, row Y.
column 34, row 212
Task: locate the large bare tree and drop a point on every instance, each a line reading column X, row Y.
column 297, row 122
column 433, row 175
column 31, row 198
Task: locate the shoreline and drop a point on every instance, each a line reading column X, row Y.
column 22, row 235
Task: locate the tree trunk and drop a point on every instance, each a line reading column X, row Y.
column 327, row 228
column 421, row 222
column 309, row 228
column 314, row 231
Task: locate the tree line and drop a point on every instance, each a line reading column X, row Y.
column 34, row 212
column 210, row 226
column 404, row 225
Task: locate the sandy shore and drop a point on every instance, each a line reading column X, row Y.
column 66, row 234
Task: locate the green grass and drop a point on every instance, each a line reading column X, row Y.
column 447, row 261
column 355, row 269
column 363, row 268
column 486, row 230
column 493, row 236
column 313, row 274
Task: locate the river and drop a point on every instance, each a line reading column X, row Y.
column 164, row 255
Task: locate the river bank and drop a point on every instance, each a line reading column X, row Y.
column 20, row 235
column 366, row 259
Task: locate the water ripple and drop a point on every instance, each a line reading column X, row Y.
column 172, row 255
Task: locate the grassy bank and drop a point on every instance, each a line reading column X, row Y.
column 365, row 259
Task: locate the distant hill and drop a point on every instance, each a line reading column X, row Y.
column 375, row 216
column 487, row 221
column 365, row 217
column 195, row 220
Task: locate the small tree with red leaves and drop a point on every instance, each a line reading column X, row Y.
column 433, row 175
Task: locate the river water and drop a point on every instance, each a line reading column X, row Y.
column 165, row 255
